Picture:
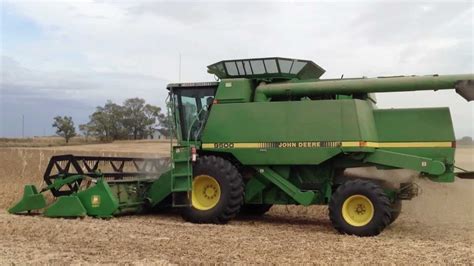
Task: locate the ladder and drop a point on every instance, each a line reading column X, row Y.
column 181, row 176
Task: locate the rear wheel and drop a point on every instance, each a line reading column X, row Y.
column 217, row 193
column 255, row 209
column 396, row 210
column 360, row 207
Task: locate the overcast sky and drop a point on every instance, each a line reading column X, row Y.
column 66, row 57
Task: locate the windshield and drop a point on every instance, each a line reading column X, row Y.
column 192, row 107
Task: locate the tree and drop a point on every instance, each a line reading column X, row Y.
column 86, row 130
column 134, row 119
column 153, row 115
column 466, row 140
column 107, row 122
column 140, row 118
column 64, row 127
column 167, row 125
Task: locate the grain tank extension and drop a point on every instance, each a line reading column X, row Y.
column 270, row 132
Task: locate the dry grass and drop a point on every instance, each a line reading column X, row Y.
column 44, row 141
column 437, row 227
column 56, row 141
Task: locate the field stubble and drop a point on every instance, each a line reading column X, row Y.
column 436, row 227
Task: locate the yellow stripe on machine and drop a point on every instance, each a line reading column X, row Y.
column 248, row 145
column 327, row 144
column 370, row 144
column 208, row 145
column 226, row 145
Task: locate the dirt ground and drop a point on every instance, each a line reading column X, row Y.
column 436, row 227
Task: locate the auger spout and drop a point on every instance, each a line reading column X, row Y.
column 463, row 84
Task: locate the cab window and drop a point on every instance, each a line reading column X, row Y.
column 193, row 105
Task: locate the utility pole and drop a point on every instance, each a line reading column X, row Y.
column 23, row 126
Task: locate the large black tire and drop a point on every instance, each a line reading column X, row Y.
column 396, row 210
column 255, row 209
column 231, row 191
column 368, row 201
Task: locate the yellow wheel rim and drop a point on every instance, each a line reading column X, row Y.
column 357, row 210
column 206, row 192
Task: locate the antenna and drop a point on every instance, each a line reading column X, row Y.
column 179, row 72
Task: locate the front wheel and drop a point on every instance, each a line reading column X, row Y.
column 360, row 207
column 217, row 191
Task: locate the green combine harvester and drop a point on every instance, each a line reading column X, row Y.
column 269, row 132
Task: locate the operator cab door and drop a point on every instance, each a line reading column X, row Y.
column 191, row 107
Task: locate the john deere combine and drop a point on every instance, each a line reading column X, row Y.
column 270, row 132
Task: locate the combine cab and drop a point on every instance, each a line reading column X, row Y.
column 270, row 132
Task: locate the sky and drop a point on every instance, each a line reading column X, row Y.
column 67, row 57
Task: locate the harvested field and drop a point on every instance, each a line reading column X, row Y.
column 436, row 227
column 51, row 141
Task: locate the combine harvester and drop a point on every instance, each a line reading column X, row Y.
column 269, row 132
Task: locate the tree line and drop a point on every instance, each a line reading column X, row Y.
column 134, row 119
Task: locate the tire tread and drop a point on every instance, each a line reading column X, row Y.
column 231, row 175
column 381, row 205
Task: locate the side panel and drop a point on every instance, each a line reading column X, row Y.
column 293, row 132
column 312, row 132
column 426, row 132
column 234, row 91
column 420, row 124
column 365, row 120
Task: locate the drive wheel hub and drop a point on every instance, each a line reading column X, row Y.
column 206, row 192
column 358, row 210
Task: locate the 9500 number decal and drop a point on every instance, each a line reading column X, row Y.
column 224, row 145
